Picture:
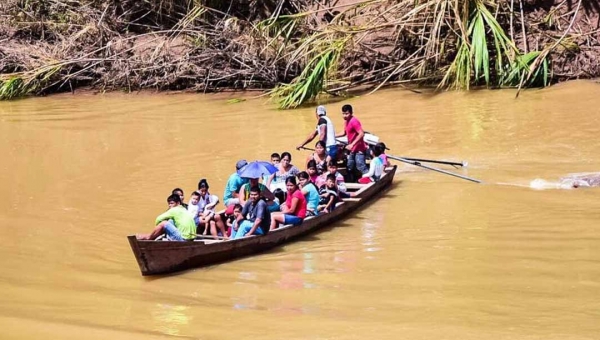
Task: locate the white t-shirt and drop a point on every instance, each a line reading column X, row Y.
column 330, row 139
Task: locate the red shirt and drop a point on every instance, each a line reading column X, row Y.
column 352, row 127
column 300, row 207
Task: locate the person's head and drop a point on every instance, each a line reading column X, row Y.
column 254, row 193
column 194, row 198
column 240, row 164
column 286, row 158
column 173, row 200
column 311, row 167
column 178, row 192
column 320, row 111
column 275, row 158
column 330, row 181
column 382, row 146
column 303, row 178
column 237, row 209
column 203, row 187
column 320, row 147
column 377, row 150
column 279, row 194
column 347, row 111
column 332, row 167
column 253, row 182
column 291, row 184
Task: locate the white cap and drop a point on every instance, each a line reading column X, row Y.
column 321, row 110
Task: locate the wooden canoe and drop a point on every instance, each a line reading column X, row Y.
column 162, row 257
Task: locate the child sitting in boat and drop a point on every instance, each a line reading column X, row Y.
column 232, row 224
column 206, row 209
column 375, row 167
column 328, row 195
column 193, row 206
column 339, row 178
column 383, row 156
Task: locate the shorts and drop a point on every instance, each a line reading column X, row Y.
column 172, row 232
column 291, row 219
column 332, row 151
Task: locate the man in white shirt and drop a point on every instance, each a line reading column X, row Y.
column 326, row 133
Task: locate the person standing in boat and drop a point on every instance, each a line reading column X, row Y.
column 255, row 218
column 294, row 210
column 176, row 223
column 356, row 145
column 285, row 170
column 326, row 133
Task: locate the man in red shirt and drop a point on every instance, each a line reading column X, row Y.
column 356, row 144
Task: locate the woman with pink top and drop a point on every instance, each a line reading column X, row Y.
column 294, row 209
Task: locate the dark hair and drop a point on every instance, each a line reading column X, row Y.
column 311, row 164
column 203, row 184
column 284, row 154
column 280, row 194
column 377, row 150
column 332, row 163
column 303, row 175
column 332, row 177
column 347, row 108
column 177, row 190
column 238, row 207
column 195, row 193
column 382, row 144
column 291, row 179
column 255, row 189
column 275, row 155
column 174, row 198
column 321, row 143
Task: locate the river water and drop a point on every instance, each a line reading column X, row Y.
column 436, row 257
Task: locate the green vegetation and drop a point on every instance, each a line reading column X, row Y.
column 297, row 51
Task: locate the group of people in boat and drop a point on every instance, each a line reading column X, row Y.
column 255, row 206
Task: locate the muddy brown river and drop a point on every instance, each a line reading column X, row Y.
column 437, row 257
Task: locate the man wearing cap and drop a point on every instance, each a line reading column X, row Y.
column 326, row 133
column 234, row 183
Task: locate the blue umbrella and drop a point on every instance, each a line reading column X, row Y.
column 257, row 169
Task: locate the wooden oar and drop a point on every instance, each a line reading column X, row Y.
column 435, row 161
column 416, row 163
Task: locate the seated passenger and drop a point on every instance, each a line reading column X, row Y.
column 176, row 223
column 340, row 182
column 275, row 159
column 294, row 209
column 328, row 194
column 265, row 193
column 232, row 224
column 311, row 169
column 375, row 167
column 234, row 183
column 285, row 170
column 206, row 210
column 179, row 192
column 319, row 156
column 383, row 156
column 193, row 206
column 255, row 218
column 311, row 193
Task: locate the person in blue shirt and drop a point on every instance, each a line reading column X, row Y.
column 234, row 183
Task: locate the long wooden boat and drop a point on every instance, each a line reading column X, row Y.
column 162, row 257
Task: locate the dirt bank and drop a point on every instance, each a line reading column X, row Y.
column 52, row 46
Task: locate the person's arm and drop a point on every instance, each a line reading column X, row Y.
column 323, row 132
column 292, row 207
column 328, row 206
column 308, row 139
column 270, row 179
column 167, row 215
column 242, row 195
column 361, row 135
column 341, row 134
column 371, row 172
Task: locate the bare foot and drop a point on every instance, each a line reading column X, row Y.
column 142, row 236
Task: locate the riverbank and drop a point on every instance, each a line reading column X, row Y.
column 297, row 51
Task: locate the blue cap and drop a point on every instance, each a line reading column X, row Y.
column 240, row 164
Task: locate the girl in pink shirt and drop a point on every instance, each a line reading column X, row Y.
column 294, row 209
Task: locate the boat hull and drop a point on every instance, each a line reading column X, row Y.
column 163, row 257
